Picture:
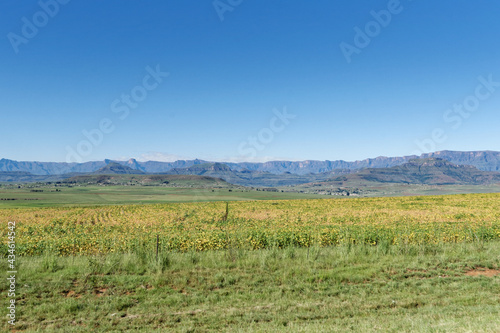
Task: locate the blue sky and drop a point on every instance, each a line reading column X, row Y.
column 229, row 78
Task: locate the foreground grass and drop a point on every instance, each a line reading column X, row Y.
column 347, row 288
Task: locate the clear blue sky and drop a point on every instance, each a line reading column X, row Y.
column 227, row 76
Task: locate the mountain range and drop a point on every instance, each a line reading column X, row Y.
column 429, row 171
column 252, row 177
column 483, row 160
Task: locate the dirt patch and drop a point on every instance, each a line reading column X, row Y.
column 100, row 292
column 71, row 293
column 483, row 272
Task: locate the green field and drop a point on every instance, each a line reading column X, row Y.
column 120, row 195
column 390, row 190
column 398, row 264
column 92, row 195
column 432, row 288
column 367, row 189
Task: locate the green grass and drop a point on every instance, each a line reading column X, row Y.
column 351, row 288
column 93, row 195
column 117, row 195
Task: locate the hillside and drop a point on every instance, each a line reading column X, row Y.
column 483, row 160
column 142, row 179
column 22, row 176
column 253, row 178
column 116, row 168
column 429, row 171
column 27, row 177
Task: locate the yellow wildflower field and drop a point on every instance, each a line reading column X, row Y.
column 255, row 224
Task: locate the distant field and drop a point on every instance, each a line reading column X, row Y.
column 373, row 189
column 402, row 189
column 194, row 191
column 205, row 226
column 119, row 195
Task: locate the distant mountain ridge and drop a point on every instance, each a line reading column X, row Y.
column 483, row 160
column 428, row 171
column 117, row 168
column 252, row 178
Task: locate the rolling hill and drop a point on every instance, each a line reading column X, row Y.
column 26, row 177
column 152, row 180
column 253, row 178
column 429, row 171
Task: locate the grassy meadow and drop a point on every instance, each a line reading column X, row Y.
column 252, row 225
column 412, row 264
column 408, row 288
